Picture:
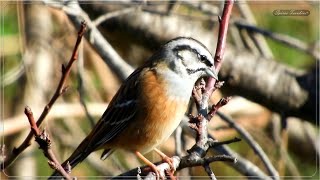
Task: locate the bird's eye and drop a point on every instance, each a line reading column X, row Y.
column 204, row 60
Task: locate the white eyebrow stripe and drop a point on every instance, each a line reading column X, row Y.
column 124, row 104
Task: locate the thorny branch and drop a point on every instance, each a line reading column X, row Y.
column 61, row 88
column 43, row 139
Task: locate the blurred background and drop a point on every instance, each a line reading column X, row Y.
column 270, row 70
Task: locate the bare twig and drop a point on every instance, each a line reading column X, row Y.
column 285, row 39
column 110, row 15
column 243, row 166
column 102, row 46
column 221, row 44
column 252, row 143
column 59, row 91
column 81, row 87
column 204, row 7
column 258, row 40
column 42, row 138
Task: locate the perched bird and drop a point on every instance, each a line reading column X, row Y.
column 150, row 104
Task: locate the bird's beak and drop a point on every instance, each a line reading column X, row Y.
column 211, row 72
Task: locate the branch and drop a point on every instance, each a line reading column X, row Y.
column 285, row 39
column 110, row 15
column 59, row 91
column 42, row 138
column 243, row 166
column 280, row 88
column 180, row 163
column 101, row 45
column 253, row 144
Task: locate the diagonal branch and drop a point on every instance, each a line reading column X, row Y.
column 253, row 144
column 61, row 88
column 42, row 138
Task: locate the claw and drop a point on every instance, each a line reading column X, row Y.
column 151, row 165
column 170, row 162
column 166, row 159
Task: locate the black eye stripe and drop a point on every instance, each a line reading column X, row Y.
column 202, row 58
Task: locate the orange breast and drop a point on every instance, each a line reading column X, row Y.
column 157, row 118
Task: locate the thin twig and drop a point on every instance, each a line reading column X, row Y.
column 204, row 7
column 42, row 138
column 61, row 88
column 101, row 45
column 110, row 15
column 253, row 144
column 258, row 40
column 243, row 165
column 221, row 45
column 81, row 87
column 282, row 38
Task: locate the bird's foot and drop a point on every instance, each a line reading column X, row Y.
column 166, row 159
column 170, row 162
column 156, row 171
column 170, row 173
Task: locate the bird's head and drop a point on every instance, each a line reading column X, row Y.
column 188, row 58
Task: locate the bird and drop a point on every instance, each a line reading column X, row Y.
column 150, row 103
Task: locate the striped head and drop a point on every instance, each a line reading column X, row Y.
column 188, row 58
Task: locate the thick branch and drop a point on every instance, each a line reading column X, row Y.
column 271, row 84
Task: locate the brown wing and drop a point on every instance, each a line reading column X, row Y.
column 120, row 112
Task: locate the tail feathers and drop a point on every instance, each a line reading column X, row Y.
column 73, row 160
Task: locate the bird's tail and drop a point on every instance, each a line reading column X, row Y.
column 81, row 152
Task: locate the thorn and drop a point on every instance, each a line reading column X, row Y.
column 219, row 19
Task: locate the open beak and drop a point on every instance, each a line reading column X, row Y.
column 211, row 72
